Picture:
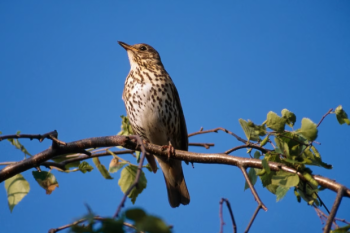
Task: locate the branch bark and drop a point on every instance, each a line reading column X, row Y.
column 124, row 141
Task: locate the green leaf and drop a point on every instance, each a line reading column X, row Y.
column 266, row 178
column 275, row 122
column 319, row 160
column 101, row 168
column 296, row 193
column 285, row 179
column 249, row 131
column 110, row 225
column 153, row 224
column 257, row 155
column 264, row 141
column 115, row 165
column 127, row 178
column 46, row 180
column 135, row 214
column 281, row 191
column 265, row 165
column 310, row 179
column 272, row 188
column 252, row 177
column 344, row 229
column 282, row 145
column 145, row 222
column 289, row 116
column 149, row 168
column 342, row 117
column 64, row 157
column 308, row 129
column 16, row 188
column 18, row 146
column 125, row 127
column 138, row 153
column 85, row 167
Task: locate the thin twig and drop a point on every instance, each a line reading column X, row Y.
column 323, row 217
column 251, row 186
column 256, row 196
column 247, row 146
column 234, row 226
column 62, row 164
column 138, row 174
column 83, row 220
column 324, row 116
column 205, row 145
column 321, row 202
column 50, row 135
column 334, row 210
column 253, row 218
column 215, row 131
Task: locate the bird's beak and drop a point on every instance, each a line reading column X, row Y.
column 126, row 46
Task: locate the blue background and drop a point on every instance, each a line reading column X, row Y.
column 61, row 68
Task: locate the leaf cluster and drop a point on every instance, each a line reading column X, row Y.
column 293, row 148
column 140, row 220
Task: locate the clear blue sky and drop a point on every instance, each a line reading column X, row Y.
column 61, row 68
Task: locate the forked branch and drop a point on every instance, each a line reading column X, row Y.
column 222, row 223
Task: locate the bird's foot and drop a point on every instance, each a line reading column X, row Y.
column 171, row 149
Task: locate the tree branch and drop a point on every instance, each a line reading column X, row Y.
column 215, row 131
column 324, row 116
column 126, row 142
column 334, row 210
column 252, row 219
column 50, row 135
column 222, row 223
column 205, row 145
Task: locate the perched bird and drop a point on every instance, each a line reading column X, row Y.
column 155, row 113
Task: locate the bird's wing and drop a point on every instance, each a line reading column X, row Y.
column 183, row 145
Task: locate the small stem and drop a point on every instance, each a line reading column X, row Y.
column 324, row 116
column 334, row 210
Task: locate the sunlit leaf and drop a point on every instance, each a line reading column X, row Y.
column 127, row 178
column 308, row 129
column 16, row 188
column 344, row 229
column 46, row 180
column 138, row 153
column 289, row 116
column 249, row 131
column 265, row 165
column 264, row 141
column 275, row 122
column 125, row 127
column 102, row 169
column 286, row 179
column 342, row 117
column 281, row 191
column 115, row 165
column 18, row 145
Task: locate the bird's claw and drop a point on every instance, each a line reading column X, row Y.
column 171, row 149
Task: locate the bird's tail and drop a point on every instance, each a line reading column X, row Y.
column 175, row 181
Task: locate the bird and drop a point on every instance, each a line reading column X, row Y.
column 155, row 113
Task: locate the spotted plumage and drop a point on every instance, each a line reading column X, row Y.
column 155, row 113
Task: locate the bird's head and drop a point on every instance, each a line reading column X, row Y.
column 142, row 55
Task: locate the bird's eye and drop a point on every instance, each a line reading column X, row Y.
column 143, row 48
